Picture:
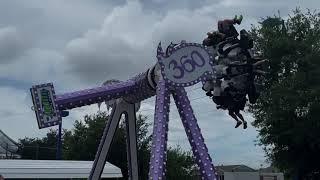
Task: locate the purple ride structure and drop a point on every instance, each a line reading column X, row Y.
column 181, row 65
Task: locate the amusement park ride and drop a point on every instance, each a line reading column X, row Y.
column 226, row 68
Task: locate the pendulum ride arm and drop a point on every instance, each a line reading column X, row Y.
column 160, row 133
column 193, row 132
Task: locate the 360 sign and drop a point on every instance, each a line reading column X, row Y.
column 185, row 64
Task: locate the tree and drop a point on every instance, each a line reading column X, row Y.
column 82, row 142
column 180, row 164
column 36, row 148
column 288, row 110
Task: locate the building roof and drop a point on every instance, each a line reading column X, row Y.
column 53, row 169
column 269, row 169
column 234, row 168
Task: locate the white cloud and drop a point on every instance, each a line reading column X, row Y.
column 17, row 118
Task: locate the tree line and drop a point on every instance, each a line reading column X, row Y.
column 81, row 143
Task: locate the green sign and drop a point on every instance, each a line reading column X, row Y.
column 46, row 102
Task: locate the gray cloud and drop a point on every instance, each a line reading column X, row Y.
column 12, row 45
column 34, row 66
column 125, row 43
column 51, row 24
column 167, row 5
column 100, row 58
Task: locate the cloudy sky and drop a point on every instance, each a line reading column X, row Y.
column 80, row 43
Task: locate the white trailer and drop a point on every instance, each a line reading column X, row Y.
column 53, row 169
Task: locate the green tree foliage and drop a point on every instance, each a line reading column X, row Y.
column 81, row 144
column 180, row 164
column 82, row 141
column 288, row 110
column 36, row 148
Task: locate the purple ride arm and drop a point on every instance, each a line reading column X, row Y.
column 133, row 90
column 195, row 137
column 160, row 133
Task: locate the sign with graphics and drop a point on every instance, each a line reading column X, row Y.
column 47, row 112
column 185, row 64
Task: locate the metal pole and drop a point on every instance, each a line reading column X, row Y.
column 132, row 154
column 7, row 151
column 105, row 142
column 59, row 137
column 37, row 151
column 59, row 143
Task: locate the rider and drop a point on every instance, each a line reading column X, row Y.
column 233, row 100
column 227, row 28
column 222, row 92
column 225, row 31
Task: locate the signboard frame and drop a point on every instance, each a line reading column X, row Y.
column 46, row 110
